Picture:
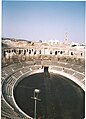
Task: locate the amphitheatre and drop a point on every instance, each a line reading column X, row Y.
column 62, row 86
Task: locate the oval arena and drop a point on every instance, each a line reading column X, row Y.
column 62, row 90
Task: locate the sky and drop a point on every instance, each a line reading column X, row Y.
column 44, row 20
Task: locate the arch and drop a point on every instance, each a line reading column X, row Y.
column 29, row 51
column 61, row 52
column 55, row 52
column 51, row 52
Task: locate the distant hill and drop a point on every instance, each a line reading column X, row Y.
column 16, row 40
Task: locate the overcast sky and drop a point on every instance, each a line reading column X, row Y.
column 47, row 20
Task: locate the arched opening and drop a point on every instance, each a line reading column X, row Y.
column 71, row 53
column 50, row 52
column 55, row 52
column 29, row 51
